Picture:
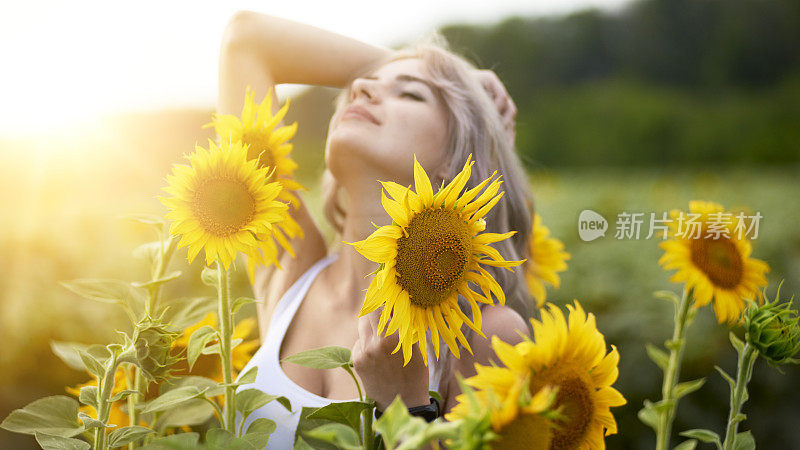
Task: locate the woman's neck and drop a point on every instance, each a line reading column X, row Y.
column 349, row 270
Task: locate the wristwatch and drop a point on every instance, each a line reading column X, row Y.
column 428, row 412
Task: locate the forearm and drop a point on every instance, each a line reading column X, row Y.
column 262, row 50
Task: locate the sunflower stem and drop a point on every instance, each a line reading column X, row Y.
column 106, row 386
column 368, row 438
column 747, row 359
column 667, row 415
column 226, row 331
column 139, row 385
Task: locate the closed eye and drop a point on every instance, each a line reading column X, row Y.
column 413, row 95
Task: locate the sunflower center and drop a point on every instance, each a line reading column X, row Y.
column 719, row 259
column 258, row 148
column 223, row 206
column 432, row 258
column 526, row 432
column 574, row 398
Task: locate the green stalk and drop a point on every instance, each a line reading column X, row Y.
column 672, row 374
column 226, row 330
column 747, row 359
column 103, row 405
column 165, row 255
column 368, row 434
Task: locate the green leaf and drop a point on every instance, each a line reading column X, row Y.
column 218, row 438
column 55, row 416
column 210, row 277
column 321, row 358
column 648, row 415
column 248, row 377
column 180, row 441
column 122, row 395
column 185, row 312
column 253, row 441
column 686, row 445
column 658, row 356
column 190, row 413
column 300, row 444
column 397, row 424
column 126, row 435
column 736, row 342
column 249, row 400
column 209, row 387
column 50, row 442
column 91, row 422
column 727, row 377
column 668, row 296
column 149, row 251
column 102, row 290
column 687, row 387
column 745, row 441
column 68, row 353
column 213, row 349
column 173, row 398
column 337, row 434
column 707, row 436
column 94, row 366
column 241, row 301
column 197, row 343
column 346, row 413
column 262, row 425
column 304, row 425
column 674, row 345
column 157, row 282
column 89, row 396
column 738, row 418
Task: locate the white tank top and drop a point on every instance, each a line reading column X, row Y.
column 271, row 378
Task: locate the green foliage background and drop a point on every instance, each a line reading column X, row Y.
column 638, row 111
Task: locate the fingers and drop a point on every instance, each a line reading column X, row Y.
column 505, row 106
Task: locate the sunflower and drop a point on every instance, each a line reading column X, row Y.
column 223, row 203
column 517, row 420
column 712, row 260
column 428, row 255
column 569, row 355
column 547, row 259
column 256, row 129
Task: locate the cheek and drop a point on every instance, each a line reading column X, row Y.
column 424, row 130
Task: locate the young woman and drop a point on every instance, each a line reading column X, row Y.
column 426, row 102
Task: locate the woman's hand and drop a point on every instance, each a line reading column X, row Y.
column 502, row 101
column 382, row 373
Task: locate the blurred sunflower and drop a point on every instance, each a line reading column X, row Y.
column 429, row 253
column 547, row 259
column 256, row 129
column 569, row 355
column 712, row 261
column 517, row 420
column 223, row 203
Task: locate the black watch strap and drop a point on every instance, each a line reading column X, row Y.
column 428, row 412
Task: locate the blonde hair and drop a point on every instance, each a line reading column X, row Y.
column 475, row 128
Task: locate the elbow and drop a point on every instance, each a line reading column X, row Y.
column 238, row 31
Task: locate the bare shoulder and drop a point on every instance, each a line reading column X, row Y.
column 500, row 321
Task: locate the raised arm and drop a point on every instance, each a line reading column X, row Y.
column 261, row 51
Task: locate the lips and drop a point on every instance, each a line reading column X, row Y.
column 358, row 111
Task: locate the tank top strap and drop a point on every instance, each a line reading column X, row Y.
column 290, row 302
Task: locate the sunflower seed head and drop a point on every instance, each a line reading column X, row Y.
column 773, row 329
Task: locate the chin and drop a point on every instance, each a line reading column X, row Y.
column 348, row 149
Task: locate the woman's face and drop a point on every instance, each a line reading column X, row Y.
column 390, row 116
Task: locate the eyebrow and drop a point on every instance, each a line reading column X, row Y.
column 409, row 78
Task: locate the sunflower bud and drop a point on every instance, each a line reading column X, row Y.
column 773, row 329
column 151, row 345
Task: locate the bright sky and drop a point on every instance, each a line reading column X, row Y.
column 66, row 62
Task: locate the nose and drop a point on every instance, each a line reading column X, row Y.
column 364, row 87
